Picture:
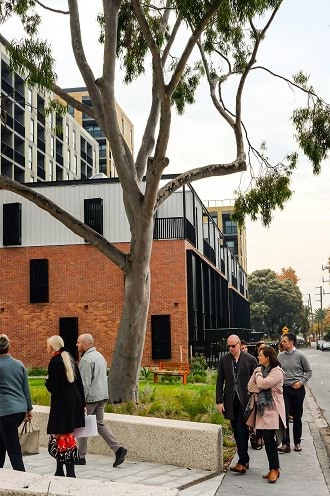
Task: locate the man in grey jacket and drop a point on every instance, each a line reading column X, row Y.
column 93, row 371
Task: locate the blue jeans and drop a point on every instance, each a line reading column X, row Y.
column 9, row 440
column 241, row 433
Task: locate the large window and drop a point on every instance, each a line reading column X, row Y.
column 161, row 337
column 93, row 214
column 39, row 281
column 12, row 224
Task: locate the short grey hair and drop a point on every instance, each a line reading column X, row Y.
column 87, row 338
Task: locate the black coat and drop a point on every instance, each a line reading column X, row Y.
column 67, row 399
column 225, row 390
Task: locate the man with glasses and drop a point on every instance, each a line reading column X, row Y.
column 234, row 372
column 297, row 372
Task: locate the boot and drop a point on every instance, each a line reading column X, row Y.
column 70, row 470
column 59, row 469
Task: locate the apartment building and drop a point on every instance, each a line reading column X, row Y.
column 59, row 284
column 235, row 237
column 106, row 162
column 36, row 146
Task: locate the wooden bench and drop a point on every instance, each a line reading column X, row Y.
column 171, row 369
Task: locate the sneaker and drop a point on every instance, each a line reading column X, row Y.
column 120, row 456
column 80, row 461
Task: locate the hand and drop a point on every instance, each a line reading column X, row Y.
column 220, row 408
column 297, row 385
column 28, row 416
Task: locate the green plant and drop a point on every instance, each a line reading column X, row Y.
column 36, row 372
column 197, row 363
column 145, row 374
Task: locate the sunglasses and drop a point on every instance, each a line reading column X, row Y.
column 232, row 345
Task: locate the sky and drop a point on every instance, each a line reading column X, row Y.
column 299, row 236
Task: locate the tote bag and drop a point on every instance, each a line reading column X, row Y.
column 29, row 439
column 89, row 430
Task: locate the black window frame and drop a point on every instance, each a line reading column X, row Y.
column 39, row 280
column 93, row 214
column 12, row 224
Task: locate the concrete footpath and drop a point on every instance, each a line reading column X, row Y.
column 304, row 472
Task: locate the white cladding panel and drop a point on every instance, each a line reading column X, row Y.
column 39, row 228
column 172, row 207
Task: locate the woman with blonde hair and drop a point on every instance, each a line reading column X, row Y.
column 67, row 407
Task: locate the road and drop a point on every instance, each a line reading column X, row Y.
column 320, row 381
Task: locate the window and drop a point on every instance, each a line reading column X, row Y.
column 39, row 281
column 71, row 110
column 74, row 141
column 230, row 227
column 69, row 160
column 30, row 157
column 161, row 336
column 12, row 224
column 50, row 170
column 93, row 214
column 29, row 98
column 75, row 164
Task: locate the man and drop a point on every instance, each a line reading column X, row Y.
column 244, row 346
column 93, row 371
column 297, row 372
column 235, row 370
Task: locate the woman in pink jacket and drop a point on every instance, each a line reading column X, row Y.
column 266, row 386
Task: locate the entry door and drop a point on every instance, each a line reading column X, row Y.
column 69, row 334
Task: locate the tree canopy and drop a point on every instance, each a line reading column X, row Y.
column 275, row 303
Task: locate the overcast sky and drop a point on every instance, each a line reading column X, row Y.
column 299, row 236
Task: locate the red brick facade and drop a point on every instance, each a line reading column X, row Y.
column 85, row 284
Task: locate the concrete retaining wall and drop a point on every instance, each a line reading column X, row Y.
column 172, row 442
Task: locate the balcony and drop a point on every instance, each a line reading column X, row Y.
column 174, row 228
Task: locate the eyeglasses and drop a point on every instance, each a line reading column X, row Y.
column 232, row 345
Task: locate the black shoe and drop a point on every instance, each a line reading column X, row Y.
column 80, row 461
column 120, row 456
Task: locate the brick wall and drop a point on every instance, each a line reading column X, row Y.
column 83, row 283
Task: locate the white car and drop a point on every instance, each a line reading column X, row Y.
column 325, row 346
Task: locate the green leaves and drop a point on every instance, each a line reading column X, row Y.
column 270, row 192
column 185, row 90
column 34, row 57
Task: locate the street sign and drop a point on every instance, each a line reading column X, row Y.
column 285, row 330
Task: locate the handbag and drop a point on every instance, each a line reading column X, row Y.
column 250, row 407
column 29, row 439
column 89, row 430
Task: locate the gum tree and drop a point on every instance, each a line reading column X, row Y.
column 224, row 37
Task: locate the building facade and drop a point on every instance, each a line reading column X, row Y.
column 36, row 146
column 53, row 282
column 106, row 162
column 235, row 237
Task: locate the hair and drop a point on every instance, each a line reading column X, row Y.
column 243, row 342
column 87, row 338
column 270, row 353
column 57, row 343
column 291, row 337
column 4, row 344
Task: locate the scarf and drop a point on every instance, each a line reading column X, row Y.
column 265, row 397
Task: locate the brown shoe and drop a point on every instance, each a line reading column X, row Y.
column 274, row 474
column 238, row 468
column 266, row 476
column 284, row 449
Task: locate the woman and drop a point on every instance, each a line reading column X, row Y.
column 67, row 407
column 15, row 405
column 267, row 382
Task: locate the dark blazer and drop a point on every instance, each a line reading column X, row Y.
column 67, row 399
column 225, row 389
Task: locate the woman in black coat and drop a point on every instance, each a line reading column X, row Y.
column 67, row 406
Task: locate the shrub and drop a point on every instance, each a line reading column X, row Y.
column 36, row 372
column 197, row 363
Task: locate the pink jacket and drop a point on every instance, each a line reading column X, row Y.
column 271, row 416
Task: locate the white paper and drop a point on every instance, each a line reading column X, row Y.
column 90, row 428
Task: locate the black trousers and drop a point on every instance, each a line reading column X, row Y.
column 293, row 399
column 271, row 448
column 241, row 433
column 9, row 440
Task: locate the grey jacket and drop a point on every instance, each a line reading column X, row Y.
column 14, row 388
column 93, row 371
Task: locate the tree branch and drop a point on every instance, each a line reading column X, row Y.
column 171, row 39
column 238, row 165
column 75, row 225
column 51, row 9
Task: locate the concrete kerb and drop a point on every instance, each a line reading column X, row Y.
column 14, row 483
column 171, row 442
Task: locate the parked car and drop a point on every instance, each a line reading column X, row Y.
column 325, row 346
column 319, row 344
column 300, row 342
